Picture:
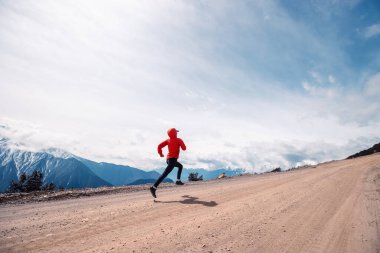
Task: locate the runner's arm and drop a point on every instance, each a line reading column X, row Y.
column 160, row 146
column 182, row 144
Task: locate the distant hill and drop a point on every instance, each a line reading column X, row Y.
column 375, row 148
column 207, row 174
column 119, row 175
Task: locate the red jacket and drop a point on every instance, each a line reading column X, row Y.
column 173, row 144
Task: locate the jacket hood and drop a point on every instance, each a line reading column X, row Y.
column 172, row 132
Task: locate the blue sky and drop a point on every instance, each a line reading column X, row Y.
column 344, row 25
column 252, row 84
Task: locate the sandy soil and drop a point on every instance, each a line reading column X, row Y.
column 334, row 207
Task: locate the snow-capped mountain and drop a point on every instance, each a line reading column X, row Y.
column 59, row 153
column 63, row 172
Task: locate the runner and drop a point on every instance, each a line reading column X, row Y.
column 174, row 144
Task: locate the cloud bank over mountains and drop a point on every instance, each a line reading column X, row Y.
column 255, row 156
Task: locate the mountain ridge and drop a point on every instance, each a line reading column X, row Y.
column 67, row 173
column 374, row 149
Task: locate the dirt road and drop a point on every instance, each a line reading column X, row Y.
column 334, row 207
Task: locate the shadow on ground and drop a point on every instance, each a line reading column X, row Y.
column 189, row 200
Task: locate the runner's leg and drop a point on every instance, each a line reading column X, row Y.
column 171, row 163
column 180, row 167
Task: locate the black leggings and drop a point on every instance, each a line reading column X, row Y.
column 172, row 162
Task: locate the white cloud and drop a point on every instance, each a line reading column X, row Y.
column 318, row 90
column 371, row 31
column 317, row 77
column 332, row 79
column 373, row 85
column 264, row 156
